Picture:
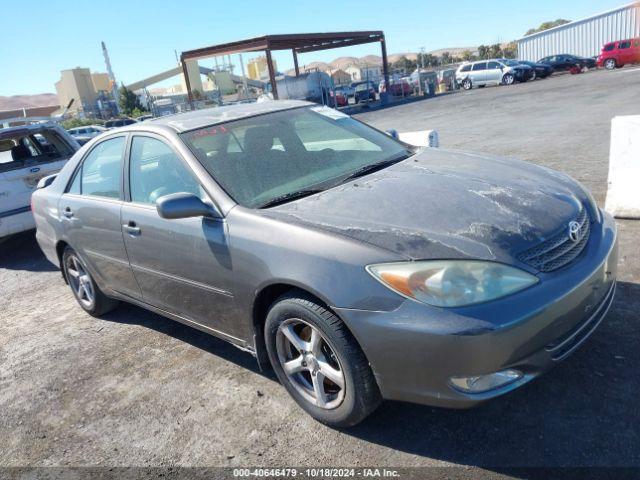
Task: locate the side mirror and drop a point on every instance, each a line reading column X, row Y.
column 46, row 181
column 184, row 205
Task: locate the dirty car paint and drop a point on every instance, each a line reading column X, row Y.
column 446, row 204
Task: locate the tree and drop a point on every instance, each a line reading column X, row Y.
column 404, row 64
column 494, row 51
column 547, row 25
column 467, row 56
column 79, row 122
column 128, row 101
column 483, row 52
column 510, row 50
column 446, row 58
column 430, row 60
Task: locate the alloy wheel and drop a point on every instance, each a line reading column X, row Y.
column 80, row 281
column 610, row 64
column 310, row 363
column 508, row 79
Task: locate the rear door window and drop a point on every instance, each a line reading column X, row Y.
column 480, row 66
column 625, row 44
column 101, row 171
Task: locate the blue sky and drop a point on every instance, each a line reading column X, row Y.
column 40, row 38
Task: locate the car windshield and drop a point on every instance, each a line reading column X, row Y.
column 511, row 63
column 281, row 155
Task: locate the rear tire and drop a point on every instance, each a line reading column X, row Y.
column 327, row 373
column 84, row 288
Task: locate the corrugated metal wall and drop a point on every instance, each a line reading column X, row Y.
column 584, row 37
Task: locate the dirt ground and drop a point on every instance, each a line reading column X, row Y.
column 134, row 388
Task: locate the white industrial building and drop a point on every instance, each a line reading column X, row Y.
column 583, row 37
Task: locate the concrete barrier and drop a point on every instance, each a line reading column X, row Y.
column 623, row 190
column 421, row 138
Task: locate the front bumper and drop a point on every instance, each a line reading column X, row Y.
column 415, row 349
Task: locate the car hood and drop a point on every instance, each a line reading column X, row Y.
column 445, row 204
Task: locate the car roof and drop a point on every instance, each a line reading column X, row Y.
column 182, row 122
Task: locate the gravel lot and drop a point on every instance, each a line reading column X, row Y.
column 137, row 389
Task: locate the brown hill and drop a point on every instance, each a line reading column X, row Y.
column 28, row 101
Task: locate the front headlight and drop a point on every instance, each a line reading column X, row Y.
column 452, row 283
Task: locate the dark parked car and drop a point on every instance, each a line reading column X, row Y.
column 119, row 122
column 361, row 268
column 564, row 63
column 364, row 91
column 540, row 70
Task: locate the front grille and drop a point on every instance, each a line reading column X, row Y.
column 560, row 249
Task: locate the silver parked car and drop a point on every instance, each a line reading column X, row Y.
column 361, row 268
column 86, row 132
column 492, row 72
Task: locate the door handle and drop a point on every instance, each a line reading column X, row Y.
column 67, row 213
column 131, row 228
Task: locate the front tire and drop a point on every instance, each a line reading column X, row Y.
column 319, row 362
column 84, row 288
column 508, row 79
column 466, row 84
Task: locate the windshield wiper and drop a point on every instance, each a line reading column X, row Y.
column 373, row 167
column 287, row 197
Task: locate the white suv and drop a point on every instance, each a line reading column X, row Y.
column 27, row 154
column 492, row 72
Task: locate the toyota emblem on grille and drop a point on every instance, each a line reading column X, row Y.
column 574, row 231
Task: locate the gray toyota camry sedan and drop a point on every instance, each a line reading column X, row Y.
column 359, row 267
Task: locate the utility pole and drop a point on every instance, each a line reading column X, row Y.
column 244, row 77
column 112, row 77
column 422, row 58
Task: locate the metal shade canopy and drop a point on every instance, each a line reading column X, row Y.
column 296, row 42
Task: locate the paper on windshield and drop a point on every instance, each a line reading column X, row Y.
column 329, row 112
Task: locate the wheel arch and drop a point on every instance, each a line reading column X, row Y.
column 60, row 246
column 266, row 297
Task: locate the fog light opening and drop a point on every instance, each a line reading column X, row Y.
column 485, row 383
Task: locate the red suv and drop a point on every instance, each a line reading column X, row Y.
column 618, row 54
